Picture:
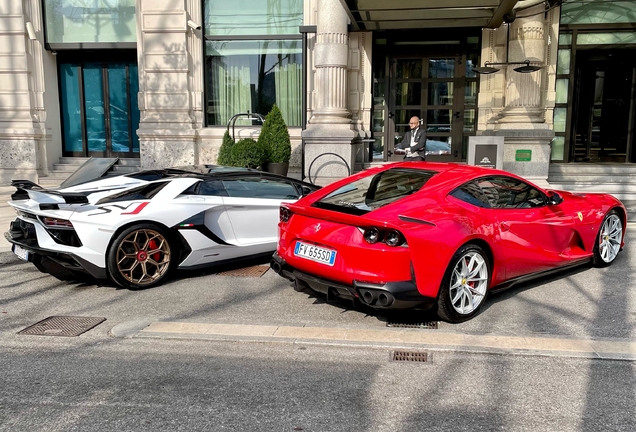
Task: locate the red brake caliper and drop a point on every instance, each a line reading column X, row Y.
column 152, row 244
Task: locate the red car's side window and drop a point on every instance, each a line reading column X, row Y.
column 500, row 193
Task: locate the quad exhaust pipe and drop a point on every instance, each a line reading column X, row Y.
column 376, row 297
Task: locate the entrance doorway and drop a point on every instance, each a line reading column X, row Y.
column 428, row 87
column 99, row 109
column 603, row 116
column 428, row 74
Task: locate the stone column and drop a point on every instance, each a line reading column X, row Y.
column 330, row 129
column 522, row 120
column 167, row 134
column 523, row 90
column 20, row 93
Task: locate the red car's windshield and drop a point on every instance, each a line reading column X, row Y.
column 371, row 192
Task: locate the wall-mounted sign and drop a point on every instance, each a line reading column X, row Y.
column 485, row 151
column 523, row 155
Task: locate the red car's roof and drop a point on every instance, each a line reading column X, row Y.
column 450, row 174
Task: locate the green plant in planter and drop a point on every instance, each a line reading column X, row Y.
column 225, row 152
column 275, row 137
column 248, row 153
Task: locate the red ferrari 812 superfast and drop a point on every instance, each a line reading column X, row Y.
column 421, row 235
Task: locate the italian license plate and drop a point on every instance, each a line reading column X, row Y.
column 23, row 254
column 315, row 253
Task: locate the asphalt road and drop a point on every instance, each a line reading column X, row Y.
column 100, row 384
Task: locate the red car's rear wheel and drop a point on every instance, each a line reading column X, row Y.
column 465, row 284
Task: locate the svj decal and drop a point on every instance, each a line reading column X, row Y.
column 136, row 208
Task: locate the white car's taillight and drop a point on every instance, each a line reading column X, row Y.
column 50, row 222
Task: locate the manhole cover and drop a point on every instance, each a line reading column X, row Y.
column 62, row 326
column 252, row 271
column 410, row 356
column 423, row 325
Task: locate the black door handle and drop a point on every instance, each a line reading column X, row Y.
column 458, row 114
column 390, row 115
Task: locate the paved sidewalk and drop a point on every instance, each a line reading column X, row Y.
column 406, row 339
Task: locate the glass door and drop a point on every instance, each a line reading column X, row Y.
column 431, row 88
column 604, row 112
column 99, row 108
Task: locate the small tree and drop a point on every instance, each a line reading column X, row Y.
column 225, row 152
column 248, row 153
column 275, row 137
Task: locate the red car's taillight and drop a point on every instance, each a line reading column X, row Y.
column 390, row 237
column 285, row 214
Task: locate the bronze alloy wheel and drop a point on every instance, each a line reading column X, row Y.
column 142, row 257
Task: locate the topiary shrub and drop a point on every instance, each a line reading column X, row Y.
column 248, row 153
column 275, row 137
column 225, row 152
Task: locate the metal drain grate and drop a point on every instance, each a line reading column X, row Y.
column 424, row 325
column 410, row 356
column 62, row 326
column 252, row 271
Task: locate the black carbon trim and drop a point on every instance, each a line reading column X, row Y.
column 414, row 220
column 197, row 223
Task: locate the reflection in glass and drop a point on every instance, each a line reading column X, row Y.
column 379, row 97
column 378, row 120
column 252, row 17
column 378, row 148
column 470, row 95
column 563, row 62
column 409, row 69
column 472, row 60
column 120, row 138
column 558, row 147
column 438, row 120
column 438, row 145
column 90, row 21
column 440, row 93
column 598, row 12
column 402, row 116
column 94, row 107
column 469, row 121
column 248, row 75
column 560, row 115
column 606, row 38
column 71, row 114
column 565, row 39
column 562, row 91
column 133, row 76
column 408, row 94
column 441, row 68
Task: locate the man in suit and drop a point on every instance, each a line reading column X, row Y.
column 414, row 141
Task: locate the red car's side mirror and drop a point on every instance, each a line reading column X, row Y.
column 554, row 198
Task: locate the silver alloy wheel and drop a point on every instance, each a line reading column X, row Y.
column 143, row 256
column 469, row 282
column 609, row 238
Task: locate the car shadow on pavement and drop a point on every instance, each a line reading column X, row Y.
column 497, row 296
column 401, row 316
